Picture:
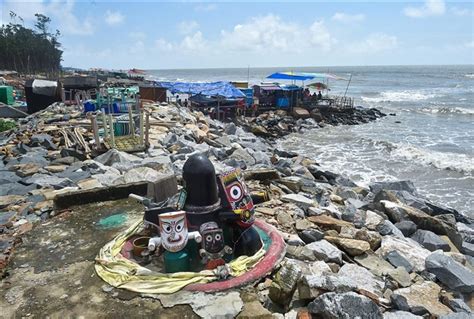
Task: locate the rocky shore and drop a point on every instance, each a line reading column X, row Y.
column 377, row 252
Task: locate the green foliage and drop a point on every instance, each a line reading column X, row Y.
column 6, row 125
column 30, row 51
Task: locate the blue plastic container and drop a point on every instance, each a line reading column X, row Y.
column 283, row 102
column 89, row 107
column 115, row 108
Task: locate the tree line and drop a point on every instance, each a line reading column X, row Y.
column 30, row 51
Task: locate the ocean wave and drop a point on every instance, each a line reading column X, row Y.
column 447, row 110
column 469, row 75
column 401, row 96
column 461, row 163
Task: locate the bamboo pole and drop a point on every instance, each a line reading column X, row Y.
column 130, row 121
column 111, row 126
column 141, row 127
column 147, row 131
column 104, row 122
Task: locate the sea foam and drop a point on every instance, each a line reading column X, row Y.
column 401, row 96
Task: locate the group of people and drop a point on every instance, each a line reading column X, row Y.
column 307, row 95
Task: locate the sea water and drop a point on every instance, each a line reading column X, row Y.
column 430, row 140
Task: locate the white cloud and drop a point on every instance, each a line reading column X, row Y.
column 193, row 43
column 163, row 45
column 375, row 43
column 348, row 18
column 320, row 36
column 205, row 7
column 430, row 8
column 114, row 17
column 263, row 33
column 62, row 14
column 187, row 27
column 270, row 33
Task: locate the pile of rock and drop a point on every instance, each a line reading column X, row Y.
column 280, row 123
column 377, row 252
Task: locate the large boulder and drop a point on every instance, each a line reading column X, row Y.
column 300, row 200
column 311, row 235
column 139, row 174
column 407, row 186
column 407, row 227
column 401, row 276
column 362, row 278
column 347, row 305
column 387, row 228
column 311, row 286
column 325, row 251
column 450, row 272
column 353, row 247
column 45, row 180
column 284, row 283
column 430, row 240
column 425, row 221
column 242, row 157
column 420, row 299
column 114, row 156
column 374, row 263
column 409, row 249
column 372, row 220
column 328, row 222
column 397, row 260
column 44, row 140
column 468, row 248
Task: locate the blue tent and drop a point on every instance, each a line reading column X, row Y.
column 224, row 89
column 290, row 76
column 303, row 76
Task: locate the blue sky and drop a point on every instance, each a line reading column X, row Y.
column 184, row 34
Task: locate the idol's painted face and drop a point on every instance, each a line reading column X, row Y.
column 238, row 196
column 212, row 238
column 173, row 231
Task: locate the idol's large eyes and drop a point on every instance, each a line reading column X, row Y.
column 166, row 227
column 179, row 225
column 209, row 238
column 218, row 237
column 236, row 192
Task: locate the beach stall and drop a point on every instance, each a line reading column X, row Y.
column 219, row 99
column 322, row 85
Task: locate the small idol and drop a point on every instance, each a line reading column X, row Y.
column 213, row 245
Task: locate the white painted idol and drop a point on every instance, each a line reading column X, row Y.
column 173, row 231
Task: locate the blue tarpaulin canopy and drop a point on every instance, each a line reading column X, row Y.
column 290, row 76
column 224, row 89
column 302, row 76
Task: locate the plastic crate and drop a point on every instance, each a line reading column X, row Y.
column 6, row 95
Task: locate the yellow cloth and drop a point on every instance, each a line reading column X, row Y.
column 120, row 272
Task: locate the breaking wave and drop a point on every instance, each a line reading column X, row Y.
column 401, row 96
column 469, row 75
column 461, row 163
column 447, row 110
